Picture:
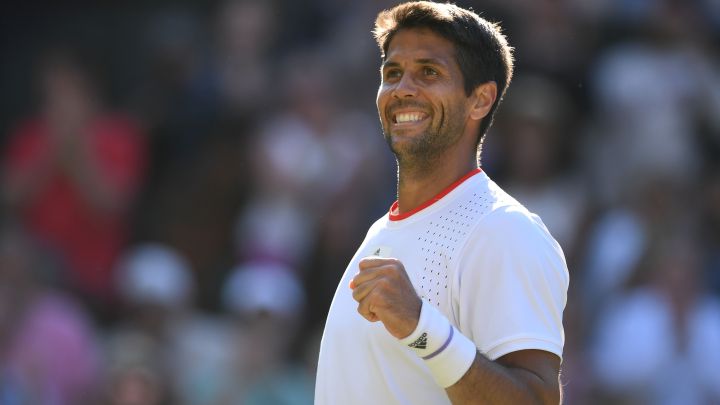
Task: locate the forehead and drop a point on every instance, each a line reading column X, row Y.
column 419, row 43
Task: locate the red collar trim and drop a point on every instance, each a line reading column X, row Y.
column 396, row 216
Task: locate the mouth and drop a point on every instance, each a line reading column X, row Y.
column 407, row 118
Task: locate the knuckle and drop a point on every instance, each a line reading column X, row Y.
column 395, row 264
column 383, row 284
column 392, row 274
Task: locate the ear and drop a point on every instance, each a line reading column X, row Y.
column 483, row 98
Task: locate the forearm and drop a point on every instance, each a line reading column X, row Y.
column 490, row 382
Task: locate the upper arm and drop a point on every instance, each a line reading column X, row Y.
column 512, row 286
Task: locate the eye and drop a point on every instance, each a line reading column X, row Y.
column 393, row 73
column 428, row 71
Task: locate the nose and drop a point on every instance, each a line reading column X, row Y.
column 405, row 87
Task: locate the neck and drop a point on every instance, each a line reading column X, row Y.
column 418, row 184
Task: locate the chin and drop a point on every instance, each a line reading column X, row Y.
column 404, row 147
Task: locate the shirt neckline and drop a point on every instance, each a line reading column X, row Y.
column 393, row 215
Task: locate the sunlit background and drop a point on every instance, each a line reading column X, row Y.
column 183, row 184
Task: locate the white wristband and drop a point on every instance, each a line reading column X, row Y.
column 447, row 352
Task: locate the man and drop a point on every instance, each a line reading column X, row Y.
column 71, row 175
column 456, row 296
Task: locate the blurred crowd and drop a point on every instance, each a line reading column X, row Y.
column 183, row 184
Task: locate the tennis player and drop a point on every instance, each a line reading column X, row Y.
column 456, row 295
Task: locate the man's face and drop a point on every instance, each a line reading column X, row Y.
column 421, row 100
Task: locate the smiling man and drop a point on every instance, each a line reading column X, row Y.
column 456, row 295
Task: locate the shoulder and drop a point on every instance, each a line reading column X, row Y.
column 507, row 219
column 513, row 222
column 382, row 221
column 511, row 284
column 26, row 142
column 377, row 227
column 512, row 239
column 28, row 131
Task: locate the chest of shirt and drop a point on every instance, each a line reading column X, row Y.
column 429, row 251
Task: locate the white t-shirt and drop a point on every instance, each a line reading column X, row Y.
column 489, row 265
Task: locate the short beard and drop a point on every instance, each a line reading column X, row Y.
column 423, row 153
column 419, row 154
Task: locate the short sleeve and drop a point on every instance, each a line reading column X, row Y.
column 511, row 286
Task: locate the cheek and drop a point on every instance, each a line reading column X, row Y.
column 381, row 97
column 381, row 101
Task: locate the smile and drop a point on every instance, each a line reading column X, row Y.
column 409, row 117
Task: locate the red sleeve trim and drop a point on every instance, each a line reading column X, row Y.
column 396, row 216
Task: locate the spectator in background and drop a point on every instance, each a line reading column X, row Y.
column 653, row 92
column 155, row 286
column 48, row 351
column 267, row 301
column 155, row 289
column 620, row 237
column 711, row 226
column 71, row 174
column 246, row 31
column 164, row 347
column 305, row 156
column 536, row 128
column 659, row 342
column 137, row 373
column 176, row 95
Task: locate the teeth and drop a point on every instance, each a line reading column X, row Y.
column 408, row 117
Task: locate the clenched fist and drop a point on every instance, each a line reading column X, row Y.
column 384, row 293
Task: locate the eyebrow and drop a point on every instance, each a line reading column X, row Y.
column 420, row 61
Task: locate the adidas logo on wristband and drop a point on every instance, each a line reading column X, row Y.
column 420, row 343
column 447, row 354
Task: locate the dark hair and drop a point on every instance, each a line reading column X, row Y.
column 482, row 51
